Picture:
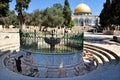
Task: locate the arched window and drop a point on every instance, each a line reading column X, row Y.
column 90, row 21
column 93, row 22
column 76, row 21
column 87, row 21
column 81, row 21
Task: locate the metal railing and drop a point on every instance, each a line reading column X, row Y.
column 35, row 41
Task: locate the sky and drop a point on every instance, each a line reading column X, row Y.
column 95, row 5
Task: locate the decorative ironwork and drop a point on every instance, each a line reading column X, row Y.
column 54, row 42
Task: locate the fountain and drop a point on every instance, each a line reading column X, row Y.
column 52, row 41
column 58, row 60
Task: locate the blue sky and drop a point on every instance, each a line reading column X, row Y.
column 95, row 5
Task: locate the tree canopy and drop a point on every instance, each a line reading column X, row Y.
column 105, row 14
column 20, row 6
column 115, row 12
column 4, row 7
column 53, row 16
column 12, row 19
column 4, row 10
column 36, row 18
column 110, row 14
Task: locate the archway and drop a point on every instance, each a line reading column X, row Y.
column 81, row 21
column 76, row 21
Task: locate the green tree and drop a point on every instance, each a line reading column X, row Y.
column 71, row 24
column 36, row 18
column 12, row 18
column 52, row 17
column 115, row 12
column 58, row 6
column 28, row 18
column 4, row 9
column 105, row 14
column 20, row 6
column 67, row 13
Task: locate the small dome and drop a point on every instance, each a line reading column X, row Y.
column 82, row 8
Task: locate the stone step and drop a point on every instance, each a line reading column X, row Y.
column 106, row 58
column 3, row 52
column 99, row 57
column 110, row 54
column 99, row 61
column 9, row 47
column 101, row 52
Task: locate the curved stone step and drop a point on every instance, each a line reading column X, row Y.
column 98, row 60
column 111, row 58
column 106, row 61
column 110, row 55
column 9, row 47
column 106, row 57
column 99, row 57
column 106, row 50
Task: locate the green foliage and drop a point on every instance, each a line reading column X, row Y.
column 12, row 19
column 50, row 17
column 53, row 16
column 20, row 6
column 110, row 13
column 67, row 13
column 57, row 6
column 28, row 18
column 115, row 12
column 4, row 7
column 36, row 18
column 105, row 14
column 71, row 24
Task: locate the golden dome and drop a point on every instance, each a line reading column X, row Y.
column 82, row 8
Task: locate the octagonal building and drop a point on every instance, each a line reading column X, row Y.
column 83, row 16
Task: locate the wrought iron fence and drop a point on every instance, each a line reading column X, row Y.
column 39, row 41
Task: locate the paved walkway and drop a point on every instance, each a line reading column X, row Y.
column 104, row 41
column 111, row 72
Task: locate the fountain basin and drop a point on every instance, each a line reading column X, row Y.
column 52, row 40
column 50, row 63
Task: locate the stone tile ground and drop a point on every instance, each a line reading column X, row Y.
column 110, row 72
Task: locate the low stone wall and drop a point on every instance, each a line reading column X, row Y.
column 117, row 33
column 108, row 32
column 15, row 30
column 111, row 32
column 9, row 41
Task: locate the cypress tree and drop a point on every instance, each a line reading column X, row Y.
column 105, row 14
column 67, row 13
column 115, row 12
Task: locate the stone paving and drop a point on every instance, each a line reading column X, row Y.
column 111, row 72
column 103, row 41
